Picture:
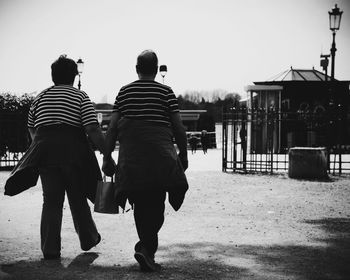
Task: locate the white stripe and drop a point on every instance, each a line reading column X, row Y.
column 142, row 105
column 141, row 93
column 148, row 88
column 159, row 110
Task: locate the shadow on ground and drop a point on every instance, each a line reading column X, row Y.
column 217, row 261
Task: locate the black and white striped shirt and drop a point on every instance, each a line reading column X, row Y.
column 62, row 104
column 146, row 100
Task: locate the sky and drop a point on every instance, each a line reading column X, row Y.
column 206, row 44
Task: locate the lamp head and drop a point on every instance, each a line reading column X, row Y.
column 163, row 70
column 80, row 64
column 335, row 18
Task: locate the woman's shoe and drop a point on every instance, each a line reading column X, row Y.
column 98, row 241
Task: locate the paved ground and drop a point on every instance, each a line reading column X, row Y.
column 231, row 227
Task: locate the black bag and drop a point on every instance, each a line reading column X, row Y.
column 105, row 201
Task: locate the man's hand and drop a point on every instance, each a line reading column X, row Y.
column 109, row 167
column 184, row 161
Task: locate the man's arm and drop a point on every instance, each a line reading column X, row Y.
column 180, row 138
column 112, row 133
column 108, row 166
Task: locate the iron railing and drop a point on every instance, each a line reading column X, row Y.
column 258, row 140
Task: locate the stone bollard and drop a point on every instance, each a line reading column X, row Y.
column 307, row 163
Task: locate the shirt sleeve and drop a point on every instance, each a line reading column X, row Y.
column 173, row 104
column 116, row 102
column 116, row 105
column 31, row 117
column 88, row 113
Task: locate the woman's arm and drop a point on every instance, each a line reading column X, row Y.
column 95, row 135
column 31, row 132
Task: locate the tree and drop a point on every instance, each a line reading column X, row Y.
column 232, row 100
column 211, row 101
column 13, row 122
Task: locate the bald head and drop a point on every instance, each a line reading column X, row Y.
column 147, row 63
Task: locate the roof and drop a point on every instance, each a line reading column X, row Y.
column 263, row 88
column 191, row 115
column 299, row 75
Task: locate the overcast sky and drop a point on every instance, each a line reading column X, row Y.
column 206, row 44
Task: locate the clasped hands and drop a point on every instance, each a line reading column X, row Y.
column 109, row 166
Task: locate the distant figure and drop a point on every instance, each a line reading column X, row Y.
column 145, row 119
column 205, row 141
column 193, row 141
column 243, row 136
column 59, row 121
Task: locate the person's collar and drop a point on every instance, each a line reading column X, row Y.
column 147, row 77
column 64, row 85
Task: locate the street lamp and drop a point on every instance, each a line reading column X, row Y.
column 334, row 24
column 163, row 70
column 80, row 64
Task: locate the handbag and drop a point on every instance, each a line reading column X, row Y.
column 105, row 201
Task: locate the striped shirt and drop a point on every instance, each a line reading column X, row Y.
column 61, row 104
column 146, row 100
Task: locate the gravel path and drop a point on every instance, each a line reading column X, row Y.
column 231, row 226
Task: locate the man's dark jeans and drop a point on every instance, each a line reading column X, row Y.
column 149, row 218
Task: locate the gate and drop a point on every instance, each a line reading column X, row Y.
column 258, row 140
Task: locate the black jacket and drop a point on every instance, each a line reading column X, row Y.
column 56, row 145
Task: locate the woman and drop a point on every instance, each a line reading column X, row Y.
column 59, row 121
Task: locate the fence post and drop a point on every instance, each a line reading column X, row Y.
column 271, row 131
column 243, row 136
column 224, row 140
column 234, row 137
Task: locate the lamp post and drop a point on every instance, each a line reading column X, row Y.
column 80, row 64
column 334, row 24
column 163, row 70
column 324, row 64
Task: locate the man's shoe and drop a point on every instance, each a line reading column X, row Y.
column 147, row 263
column 52, row 256
column 98, row 241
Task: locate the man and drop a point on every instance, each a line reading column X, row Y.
column 145, row 120
column 204, row 141
column 193, row 141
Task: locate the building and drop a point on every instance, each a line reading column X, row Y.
column 299, row 96
column 189, row 118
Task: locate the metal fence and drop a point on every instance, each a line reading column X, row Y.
column 258, row 140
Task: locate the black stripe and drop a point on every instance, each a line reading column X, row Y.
column 64, row 104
